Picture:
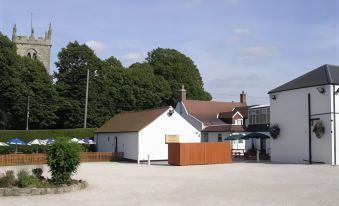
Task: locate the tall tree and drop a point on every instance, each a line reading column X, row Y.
column 73, row 63
column 178, row 69
column 21, row 77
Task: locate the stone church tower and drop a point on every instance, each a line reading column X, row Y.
column 35, row 48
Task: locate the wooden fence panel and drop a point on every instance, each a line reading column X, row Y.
column 37, row 159
column 199, row 153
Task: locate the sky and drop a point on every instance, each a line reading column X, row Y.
column 250, row 45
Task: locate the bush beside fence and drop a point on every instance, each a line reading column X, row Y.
column 37, row 159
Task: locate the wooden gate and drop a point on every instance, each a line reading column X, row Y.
column 199, row 153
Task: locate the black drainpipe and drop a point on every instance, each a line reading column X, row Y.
column 335, row 131
column 309, row 130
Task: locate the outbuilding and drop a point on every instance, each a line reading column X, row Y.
column 306, row 113
column 139, row 134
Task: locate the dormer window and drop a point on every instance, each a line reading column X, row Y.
column 34, row 56
column 29, row 55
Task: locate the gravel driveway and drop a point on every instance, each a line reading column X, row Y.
column 228, row 184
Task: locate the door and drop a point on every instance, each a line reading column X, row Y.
column 116, row 144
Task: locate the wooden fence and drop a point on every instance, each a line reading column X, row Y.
column 37, row 159
column 199, row 153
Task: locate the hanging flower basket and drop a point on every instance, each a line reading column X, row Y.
column 274, row 131
column 319, row 129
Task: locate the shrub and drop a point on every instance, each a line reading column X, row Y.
column 8, row 179
column 37, row 172
column 27, row 180
column 63, row 159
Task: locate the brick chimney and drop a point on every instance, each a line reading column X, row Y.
column 243, row 98
column 182, row 96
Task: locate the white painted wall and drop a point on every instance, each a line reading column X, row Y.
column 127, row 143
column 290, row 112
column 152, row 137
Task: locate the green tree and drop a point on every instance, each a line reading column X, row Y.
column 142, row 89
column 178, row 69
column 21, row 77
column 73, row 63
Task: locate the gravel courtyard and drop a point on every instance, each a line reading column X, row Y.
column 228, row 184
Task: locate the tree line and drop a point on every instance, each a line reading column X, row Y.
column 58, row 101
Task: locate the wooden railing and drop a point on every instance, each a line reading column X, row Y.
column 37, row 159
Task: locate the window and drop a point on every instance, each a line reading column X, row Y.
column 238, row 122
column 205, row 137
column 259, row 116
column 29, row 55
column 241, row 141
column 34, row 55
column 219, row 137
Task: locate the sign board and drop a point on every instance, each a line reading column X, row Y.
column 171, row 138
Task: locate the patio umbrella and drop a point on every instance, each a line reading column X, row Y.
column 76, row 140
column 35, row 142
column 256, row 135
column 47, row 141
column 2, row 144
column 87, row 141
column 234, row 136
column 16, row 142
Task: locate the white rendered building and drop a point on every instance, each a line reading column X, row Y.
column 141, row 134
column 299, row 105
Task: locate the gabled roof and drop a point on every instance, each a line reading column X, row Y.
column 326, row 74
column 131, row 121
column 224, row 128
column 229, row 115
column 207, row 111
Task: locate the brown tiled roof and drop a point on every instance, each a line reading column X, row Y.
column 131, row 121
column 224, row 128
column 207, row 111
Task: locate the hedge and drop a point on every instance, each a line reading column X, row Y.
column 29, row 135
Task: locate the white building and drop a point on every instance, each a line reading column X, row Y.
column 296, row 107
column 139, row 134
column 215, row 120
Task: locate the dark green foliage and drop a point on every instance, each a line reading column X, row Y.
column 63, row 159
column 112, row 88
column 21, row 77
column 7, row 179
column 178, row 69
column 27, row 180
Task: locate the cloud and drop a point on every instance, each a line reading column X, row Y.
column 236, row 37
column 241, row 31
column 95, row 45
column 134, row 56
column 257, row 54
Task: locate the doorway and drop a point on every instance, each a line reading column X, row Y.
column 116, row 144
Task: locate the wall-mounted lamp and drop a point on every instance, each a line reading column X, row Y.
column 321, row 90
column 170, row 112
column 273, row 97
